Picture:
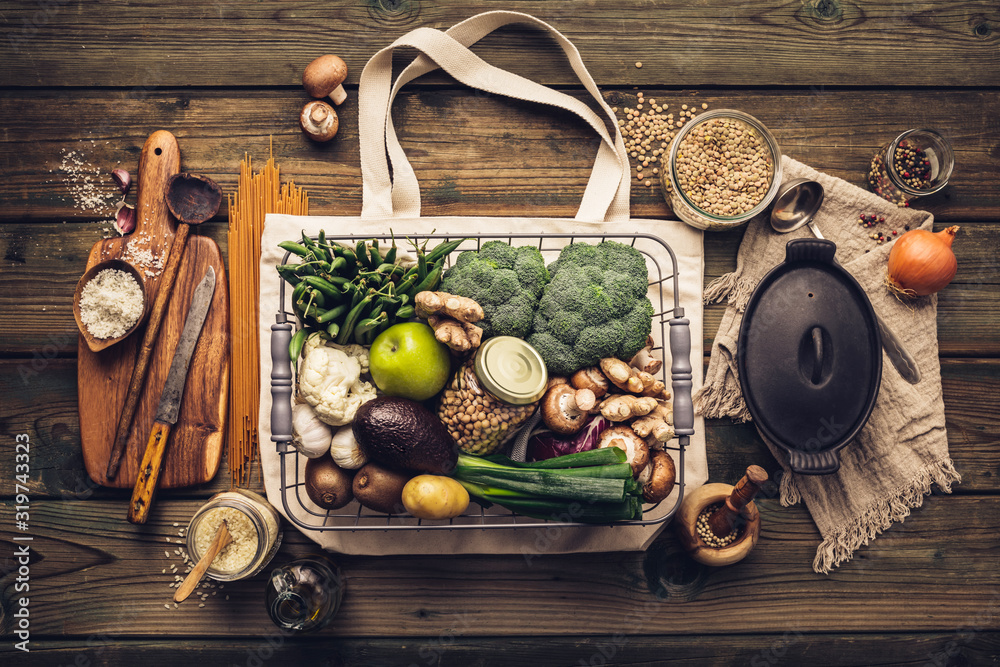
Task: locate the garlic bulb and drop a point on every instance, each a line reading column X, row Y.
column 311, row 436
column 345, row 450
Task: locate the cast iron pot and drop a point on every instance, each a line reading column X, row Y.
column 809, row 357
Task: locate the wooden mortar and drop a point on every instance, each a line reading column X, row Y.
column 685, row 525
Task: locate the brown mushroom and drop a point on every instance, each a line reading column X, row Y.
column 319, row 121
column 591, row 378
column 561, row 411
column 635, row 448
column 324, row 76
column 661, row 477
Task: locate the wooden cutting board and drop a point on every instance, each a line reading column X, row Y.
column 195, row 446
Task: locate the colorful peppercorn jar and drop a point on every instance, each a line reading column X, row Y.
column 915, row 164
column 492, row 393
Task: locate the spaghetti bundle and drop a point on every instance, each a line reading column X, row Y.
column 256, row 196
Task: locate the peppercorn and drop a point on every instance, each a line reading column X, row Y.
column 705, row 532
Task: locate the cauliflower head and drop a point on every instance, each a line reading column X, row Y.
column 330, row 380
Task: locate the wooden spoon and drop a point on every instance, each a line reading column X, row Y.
column 192, row 200
column 98, row 344
column 221, row 541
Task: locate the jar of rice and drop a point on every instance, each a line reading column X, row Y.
column 253, row 524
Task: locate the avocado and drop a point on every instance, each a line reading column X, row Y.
column 401, row 433
column 327, row 484
column 381, row 489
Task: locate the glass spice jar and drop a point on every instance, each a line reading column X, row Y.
column 253, row 524
column 492, row 393
column 914, row 164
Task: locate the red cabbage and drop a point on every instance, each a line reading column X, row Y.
column 545, row 444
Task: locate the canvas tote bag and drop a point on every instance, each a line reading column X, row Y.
column 393, row 202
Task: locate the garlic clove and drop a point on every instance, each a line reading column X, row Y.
column 345, row 450
column 123, row 179
column 125, row 218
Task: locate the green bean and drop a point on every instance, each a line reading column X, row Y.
column 442, row 250
column 294, row 248
column 332, row 330
column 431, row 281
column 334, row 313
column 390, row 257
column 357, row 313
column 316, row 297
column 327, row 288
column 299, row 290
column 405, row 313
column 364, row 329
column 362, row 252
column 338, row 264
column 287, row 273
column 295, row 345
column 376, row 257
column 322, row 237
column 421, row 267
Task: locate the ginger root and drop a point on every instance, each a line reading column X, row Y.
column 656, row 424
column 461, row 308
column 459, row 336
column 632, row 380
column 645, row 360
column 620, row 407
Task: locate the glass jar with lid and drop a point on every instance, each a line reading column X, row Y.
column 492, row 393
column 914, row 164
column 255, row 527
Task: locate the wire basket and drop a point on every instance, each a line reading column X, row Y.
column 354, row 517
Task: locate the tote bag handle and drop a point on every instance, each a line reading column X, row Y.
column 606, row 198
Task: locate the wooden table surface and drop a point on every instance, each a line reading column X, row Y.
column 84, row 83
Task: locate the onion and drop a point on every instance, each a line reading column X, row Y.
column 921, row 262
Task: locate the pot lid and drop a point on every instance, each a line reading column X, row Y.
column 809, row 356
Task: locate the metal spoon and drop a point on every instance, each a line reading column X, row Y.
column 797, row 202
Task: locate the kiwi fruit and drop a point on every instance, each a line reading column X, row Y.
column 327, row 484
column 381, row 489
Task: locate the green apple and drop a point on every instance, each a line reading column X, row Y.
column 406, row 360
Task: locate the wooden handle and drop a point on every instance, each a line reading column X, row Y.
column 222, row 538
column 146, row 350
column 724, row 519
column 149, row 473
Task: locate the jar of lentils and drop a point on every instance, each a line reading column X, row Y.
column 492, row 393
column 723, row 170
column 914, row 164
column 253, row 524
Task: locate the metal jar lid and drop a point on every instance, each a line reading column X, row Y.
column 511, row 370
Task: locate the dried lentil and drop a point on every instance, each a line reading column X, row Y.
column 724, row 167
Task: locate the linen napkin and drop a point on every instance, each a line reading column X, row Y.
column 903, row 449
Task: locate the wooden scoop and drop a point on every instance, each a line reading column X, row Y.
column 221, row 541
column 98, row 344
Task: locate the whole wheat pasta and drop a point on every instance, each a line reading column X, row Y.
column 256, row 196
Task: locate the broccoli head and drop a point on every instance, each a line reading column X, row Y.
column 595, row 306
column 505, row 281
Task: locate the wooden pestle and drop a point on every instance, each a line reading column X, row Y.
column 723, row 520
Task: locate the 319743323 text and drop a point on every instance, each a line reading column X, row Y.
column 22, row 552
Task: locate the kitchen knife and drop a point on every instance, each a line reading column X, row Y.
column 170, row 401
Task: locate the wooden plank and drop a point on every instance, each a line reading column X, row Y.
column 472, row 153
column 906, row 579
column 932, row 42
column 46, row 260
column 966, row 646
column 45, row 409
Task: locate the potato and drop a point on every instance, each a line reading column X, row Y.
column 434, row 497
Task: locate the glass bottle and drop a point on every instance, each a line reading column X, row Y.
column 304, row 595
column 255, row 527
column 492, row 393
column 915, row 164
